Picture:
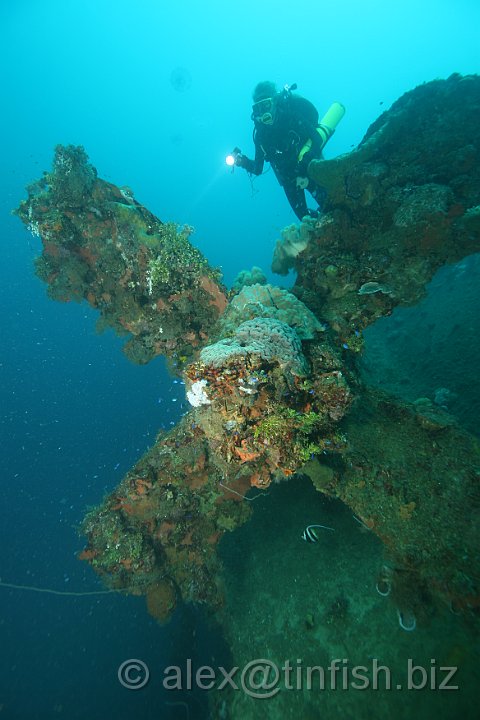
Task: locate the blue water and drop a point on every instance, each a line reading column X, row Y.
column 157, row 97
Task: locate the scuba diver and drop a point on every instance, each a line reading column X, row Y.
column 288, row 135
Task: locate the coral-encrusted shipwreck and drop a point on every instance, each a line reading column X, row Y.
column 272, row 375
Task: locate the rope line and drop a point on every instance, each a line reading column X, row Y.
column 70, row 593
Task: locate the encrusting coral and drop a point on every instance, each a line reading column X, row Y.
column 101, row 245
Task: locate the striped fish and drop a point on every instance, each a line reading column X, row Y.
column 310, row 534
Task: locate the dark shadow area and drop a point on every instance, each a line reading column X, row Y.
column 432, row 350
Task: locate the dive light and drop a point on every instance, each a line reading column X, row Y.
column 231, row 159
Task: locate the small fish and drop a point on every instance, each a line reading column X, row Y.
column 370, row 288
column 310, row 534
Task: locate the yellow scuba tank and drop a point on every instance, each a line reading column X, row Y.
column 326, row 127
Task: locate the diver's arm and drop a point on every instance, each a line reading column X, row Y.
column 255, row 167
column 306, row 116
column 317, row 142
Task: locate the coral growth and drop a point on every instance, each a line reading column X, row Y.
column 265, row 338
column 294, row 240
column 268, row 301
column 161, row 600
column 273, row 378
column 100, row 244
column 255, row 276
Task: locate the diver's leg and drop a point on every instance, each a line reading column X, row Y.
column 296, row 198
column 318, row 193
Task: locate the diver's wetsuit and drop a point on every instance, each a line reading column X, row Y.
column 295, row 122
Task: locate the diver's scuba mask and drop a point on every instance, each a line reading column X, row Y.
column 263, row 111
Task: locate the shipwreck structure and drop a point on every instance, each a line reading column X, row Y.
column 272, row 376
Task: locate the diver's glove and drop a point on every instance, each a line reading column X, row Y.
column 301, row 172
column 241, row 160
column 302, row 183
